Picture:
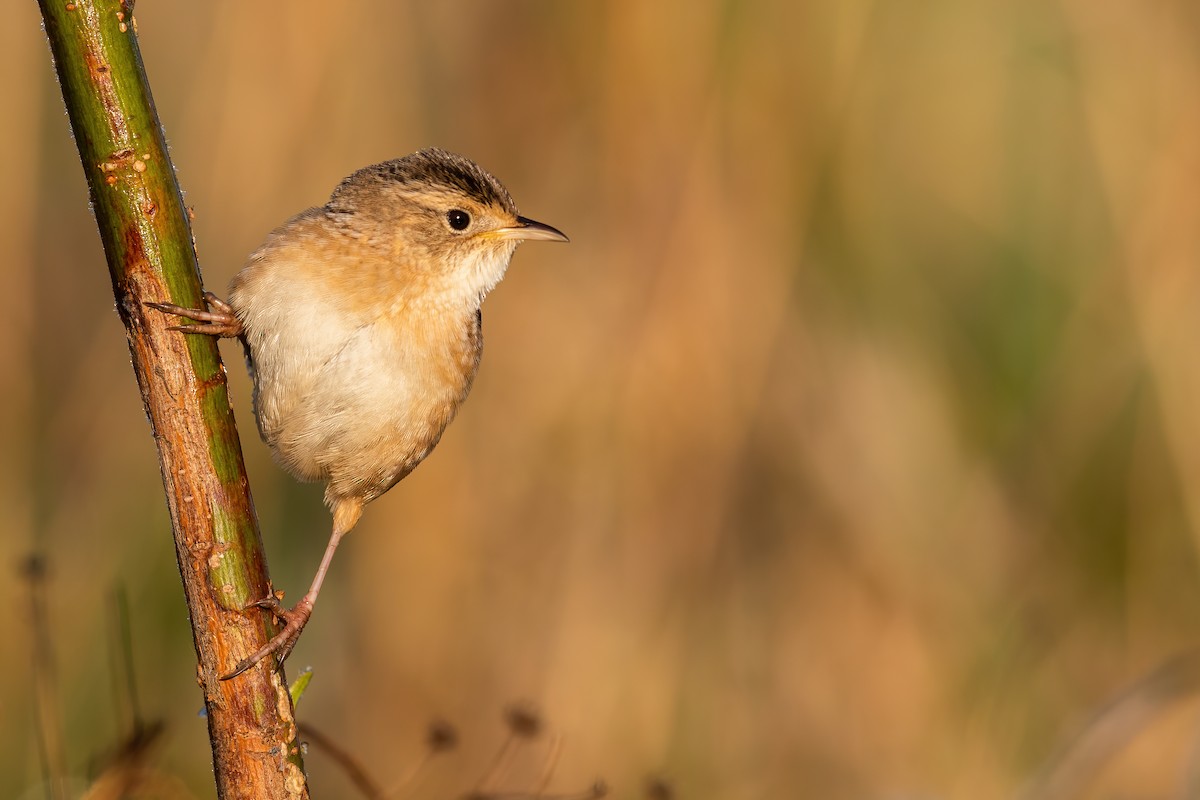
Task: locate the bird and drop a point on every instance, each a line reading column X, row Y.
column 362, row 325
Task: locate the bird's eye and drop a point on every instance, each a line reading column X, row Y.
column 458, row 219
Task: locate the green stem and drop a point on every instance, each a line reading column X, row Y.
column 148, row 244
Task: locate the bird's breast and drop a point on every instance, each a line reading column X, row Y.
column 354, row 380
column 368, row 412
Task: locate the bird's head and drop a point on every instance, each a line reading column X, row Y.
column 449, row 226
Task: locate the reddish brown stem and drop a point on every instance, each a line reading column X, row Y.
column 148, row 244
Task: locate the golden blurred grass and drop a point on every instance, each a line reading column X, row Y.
column 847, row 451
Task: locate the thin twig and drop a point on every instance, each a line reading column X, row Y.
column 440, row 738
column 1114, row 726
column 350, row 765
column 124, row 675
column 51, row 743
column 551, row 764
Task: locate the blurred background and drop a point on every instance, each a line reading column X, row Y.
column 850, row 450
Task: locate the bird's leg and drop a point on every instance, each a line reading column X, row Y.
column 218, row 321
column 345, row 515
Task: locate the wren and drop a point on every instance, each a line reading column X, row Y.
column 361, row 321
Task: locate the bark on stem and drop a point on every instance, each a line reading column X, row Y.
column 148, row 243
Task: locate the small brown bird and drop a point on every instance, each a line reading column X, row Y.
column 361, row 321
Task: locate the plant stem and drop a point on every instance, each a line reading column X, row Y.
column 148, row 244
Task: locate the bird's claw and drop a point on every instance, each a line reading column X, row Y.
column 281, row 644
column 221, row 321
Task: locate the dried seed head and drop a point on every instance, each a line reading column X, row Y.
column 523, row 721
column 441, row 736
column 658, row 789
column 33, row 567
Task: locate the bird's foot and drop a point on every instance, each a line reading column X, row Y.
column 281, row 644
column 218, row 321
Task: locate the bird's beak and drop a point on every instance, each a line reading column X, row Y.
column 527, row 229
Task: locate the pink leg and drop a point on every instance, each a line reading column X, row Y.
column 345, row 515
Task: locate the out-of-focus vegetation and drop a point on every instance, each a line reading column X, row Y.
column 850, row 449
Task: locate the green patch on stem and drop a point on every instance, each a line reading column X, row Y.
column 223, row 443
column 260, row 706
column 202, row 351
column 228, row 572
